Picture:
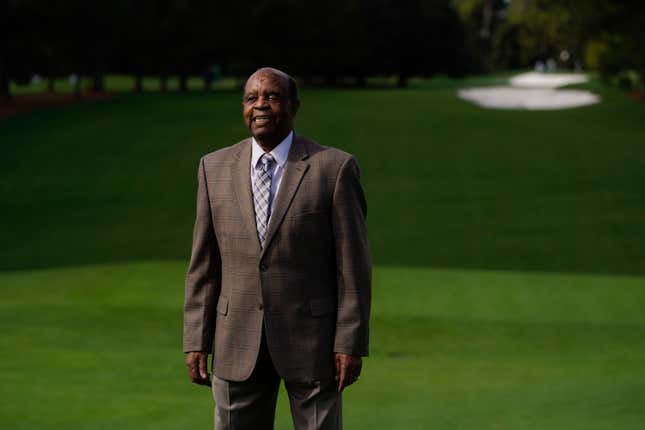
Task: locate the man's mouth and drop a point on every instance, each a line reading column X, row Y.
column 261, row 119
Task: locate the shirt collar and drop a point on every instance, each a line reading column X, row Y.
column 280, row 152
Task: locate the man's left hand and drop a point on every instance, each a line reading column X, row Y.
column 348, row 369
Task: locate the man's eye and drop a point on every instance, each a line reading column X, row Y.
column 273, row 97
column 250, row 99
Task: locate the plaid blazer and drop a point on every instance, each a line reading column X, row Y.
column 310, row 284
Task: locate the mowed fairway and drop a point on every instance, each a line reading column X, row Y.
column 509, row 251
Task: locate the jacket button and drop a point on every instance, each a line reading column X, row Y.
column 263, row 267
column 260, row 306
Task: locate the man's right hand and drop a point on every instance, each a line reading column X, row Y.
column 197, row 363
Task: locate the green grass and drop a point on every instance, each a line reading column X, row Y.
column 509, row 249
column 449, row 184
column 120, row 83
column 98, row 348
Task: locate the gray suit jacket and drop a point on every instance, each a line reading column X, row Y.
column 310, row 285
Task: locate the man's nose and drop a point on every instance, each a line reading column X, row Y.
column 261, row 103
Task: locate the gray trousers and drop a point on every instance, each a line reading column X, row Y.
column 250, row 404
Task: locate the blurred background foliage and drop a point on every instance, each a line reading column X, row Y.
column 335, row 42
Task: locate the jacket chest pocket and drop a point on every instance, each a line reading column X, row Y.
column 309, row 224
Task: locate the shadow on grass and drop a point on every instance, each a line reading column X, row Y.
column 448, row 184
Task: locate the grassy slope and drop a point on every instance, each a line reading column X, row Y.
column 449, row 185
column 97, row 348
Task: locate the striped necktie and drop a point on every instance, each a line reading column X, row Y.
column 262, row 193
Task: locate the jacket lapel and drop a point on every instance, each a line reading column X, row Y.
column 294, row 170
column 242, row 183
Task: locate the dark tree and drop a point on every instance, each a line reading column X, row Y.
column 7, row 15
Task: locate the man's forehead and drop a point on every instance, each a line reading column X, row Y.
column 265, row 77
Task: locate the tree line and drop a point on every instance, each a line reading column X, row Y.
column 316, row 41
column 313, row 40
column 605, row 36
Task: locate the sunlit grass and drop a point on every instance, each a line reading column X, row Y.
column 98, row 347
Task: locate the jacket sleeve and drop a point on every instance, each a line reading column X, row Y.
column 353, row 264
column 203, row 278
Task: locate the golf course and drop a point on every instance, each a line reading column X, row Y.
column 508, row 250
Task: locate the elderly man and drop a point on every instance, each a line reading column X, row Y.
column 278, row 285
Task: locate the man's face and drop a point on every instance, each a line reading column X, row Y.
column 267, row 108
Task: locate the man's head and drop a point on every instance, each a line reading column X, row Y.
column 270, row 104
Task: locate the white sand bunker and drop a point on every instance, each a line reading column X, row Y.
column 547, row 80
column 528, row 98
column 533, row 91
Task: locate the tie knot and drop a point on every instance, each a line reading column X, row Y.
column 267, row 161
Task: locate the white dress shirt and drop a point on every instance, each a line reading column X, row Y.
column 280, row 154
